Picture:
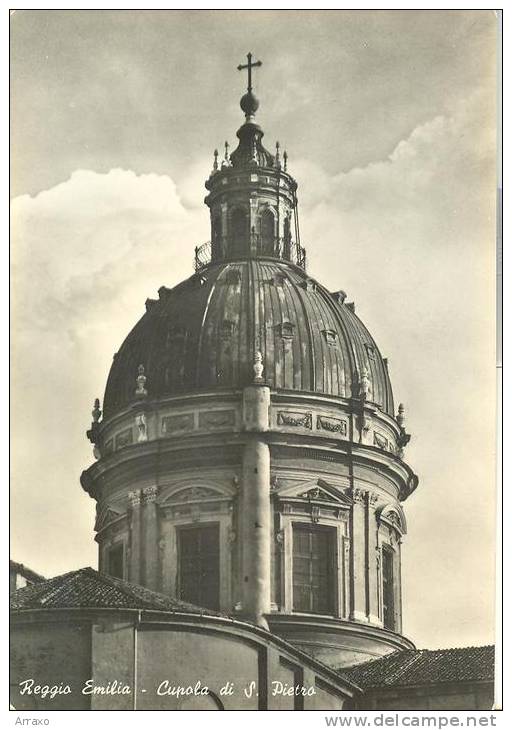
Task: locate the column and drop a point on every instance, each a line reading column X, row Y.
column 256, row 524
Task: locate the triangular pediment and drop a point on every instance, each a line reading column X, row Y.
column 317, row 490
column 105, row 517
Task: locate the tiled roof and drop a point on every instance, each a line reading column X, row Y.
column 86, row 588
column 413, row 667
column 27, row 573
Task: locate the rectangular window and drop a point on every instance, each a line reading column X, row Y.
column 198, row 574
column 388, row 588
column 313, row 569
column 116, row 562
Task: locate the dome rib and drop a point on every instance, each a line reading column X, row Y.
column 202, row 335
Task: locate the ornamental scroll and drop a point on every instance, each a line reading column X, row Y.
column 295, row 419
column 334, row 425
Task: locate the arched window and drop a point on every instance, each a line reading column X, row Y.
column 287, row 238
column 239, row 231
column 217, row 237
column 267, row 234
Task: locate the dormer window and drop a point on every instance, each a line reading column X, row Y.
column 339, row 296
column 370, row 351
column 278, row 280
column 331, row 337
column 308, row 285
column 285, row 330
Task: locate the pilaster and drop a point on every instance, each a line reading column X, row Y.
column 135, row 567
column 151, row 550
column 358, row 544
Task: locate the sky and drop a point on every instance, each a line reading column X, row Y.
column 389, row 121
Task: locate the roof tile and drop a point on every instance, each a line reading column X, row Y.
column 86, row 588
column 413, row 667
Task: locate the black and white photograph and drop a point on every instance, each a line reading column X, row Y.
column 254, row 347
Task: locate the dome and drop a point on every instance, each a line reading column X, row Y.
column 203, row 334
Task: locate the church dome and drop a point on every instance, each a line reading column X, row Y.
column 203, row 335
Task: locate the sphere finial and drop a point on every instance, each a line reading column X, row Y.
column 249, row 103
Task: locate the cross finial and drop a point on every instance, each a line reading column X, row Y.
column 249, row 66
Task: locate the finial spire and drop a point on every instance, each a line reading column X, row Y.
column 215, row 160
column 249, row 66
column 249, row 103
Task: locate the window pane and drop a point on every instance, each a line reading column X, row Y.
column 199, row 566
column 313, row 569
column 116, row 562
column 388, row 589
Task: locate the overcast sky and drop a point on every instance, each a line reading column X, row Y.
column 389, row 121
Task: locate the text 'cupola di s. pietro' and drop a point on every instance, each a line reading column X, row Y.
column 248, row 454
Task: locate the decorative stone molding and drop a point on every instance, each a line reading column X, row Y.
column 141, row 424
column 317, row 494
column 365, row 386
column 295, row 419
column 334, row 425
column 194, row 494
column 124, row 438
column 216, row 419
column 380, row 441
column 359, row 496
column 258, row 367
column 280, row 539
column 106, row 517
column 315, row 513
column 179, row 422
column 150, row 494
column 393, row 515
column 331, row 337
column 135, row 498
column 372, row 498
column 140, row 391
column 366, row 424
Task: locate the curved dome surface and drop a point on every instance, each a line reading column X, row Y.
column 203, row 334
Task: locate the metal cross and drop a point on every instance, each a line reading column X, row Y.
column 249, row 66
